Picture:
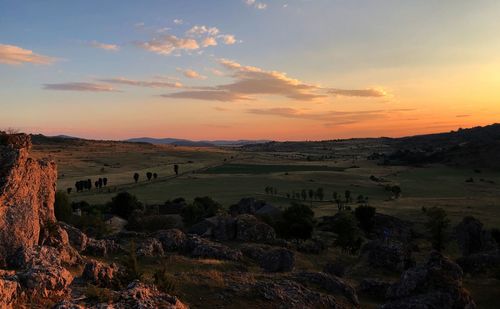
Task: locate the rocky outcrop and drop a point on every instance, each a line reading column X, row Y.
column 102, row 247
column 140, row 295
column 437, row 284
column 198, row 247
column 101, row 274
column 150, row 247
column 9, row 289
column 392, row 256
column 27, row 194
column 77, row 238
column 249, row 228
column 172, row 240
column 331, row 284
column 472, row 238
column 277, row 260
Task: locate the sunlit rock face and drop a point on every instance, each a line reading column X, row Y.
column 27, row 194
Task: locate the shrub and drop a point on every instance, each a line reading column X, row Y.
column 365, row 214
column 348, row 233
column 124, row 204
column 150, row 223
column 296, row 222
column 202, row 207
column 437, row 225
column 62, row 207
column 163, row 280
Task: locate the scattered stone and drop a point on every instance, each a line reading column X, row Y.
column 172, row 240
column 140, row 295
column 202, row 248
column 102, row 247
column 249, row 228
column 46, row 281
column 437, row 284
column 150, row 247
column 278, row 260
column 101, row 274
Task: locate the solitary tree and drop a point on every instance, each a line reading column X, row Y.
column 320, row 194
column 304, row 194
column 311, row 194
column 105, row 181
column 68, row 190
column 347, row 195
column 437, row 224
column 100, row 182
column 136, row 177
column 176, row 169
column 155, row 175
column 149, row 175
column 124, row 204
column 396, row 190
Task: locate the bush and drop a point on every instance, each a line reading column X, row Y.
column 437, row 225
column 163, row 281
column 365, row 214
column 296, row 222
column 202, row 207
column 348, row 233
column 124, row 204
column 91, row 224
column 62, row 207
column 151, row 223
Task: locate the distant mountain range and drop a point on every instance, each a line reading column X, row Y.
column 185, row 142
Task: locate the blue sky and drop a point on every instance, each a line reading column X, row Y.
column 306, row 68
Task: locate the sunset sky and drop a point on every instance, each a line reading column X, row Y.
column 234, row 69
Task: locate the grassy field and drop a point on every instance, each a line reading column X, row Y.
column 227, row 175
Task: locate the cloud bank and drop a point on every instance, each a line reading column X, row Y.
column 90, row 87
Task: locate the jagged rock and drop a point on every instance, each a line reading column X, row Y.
column 278, row 260
column 101, row 274
column 77, row 238
column 27, row 194
column 391, row 256
column 437, row 284
column 150, row 247
column 331, row 284
column 140, row 295
column 471, row 237
column 202, row 248
column 480, row 262
column 56, row 236
column 9, row 289
column 374, row 287
column 172, row 240
column 102, row 247
column 290, row 294
column 243, row 228
column 46, row 281
column 249, row 228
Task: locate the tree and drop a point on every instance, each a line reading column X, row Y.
column 124, row 204
column 62, row 207
column 176, row 169
column 347, row 195
column 155, row 175
column 320, row 194
column 149, row 175
column 311, row 194
column 437, row 225
column 136, row 177
column 89, row 184
column 131, row 265
column 68, row 190
column 297, row 222
column 304, row 194
column 96, row 184
column 100, row 182
column 365, row 214
column 105, row 181
column 202, row 207
column 396, row 190
column 348, row 233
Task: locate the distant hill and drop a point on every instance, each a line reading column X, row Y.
column 185, row 142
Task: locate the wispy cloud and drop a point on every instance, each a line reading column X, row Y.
column 178, row 21
column 15, row 55
column 370, row 92
column 255, row 4
column 90, row 87
column 108, row 47
column 330, row 118
column 207, row 95
column 142, row 83
column 189, row 73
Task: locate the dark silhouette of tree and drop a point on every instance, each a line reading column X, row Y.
column 347, row 195
column 365, row 214
column 89, row 184
column 136, row 177
column 320, row 194
column 96, row 184
column 131, row 265
column 100, row 182
column 396, row 190
column 62, row 207
column 297, row 222
column 202, row 207
column 124, row 204
column 149, row 175
column 105, row 181
column 311, row 194
column 176, row 169
column 68, row 190
column 437, row 225
column 155, row 176
column 304, row 194
column 348, row 233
